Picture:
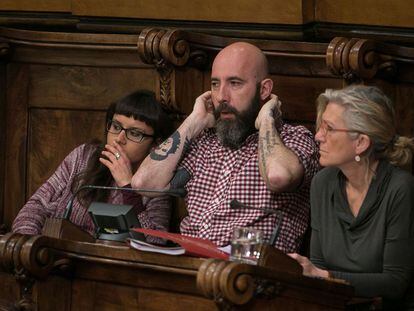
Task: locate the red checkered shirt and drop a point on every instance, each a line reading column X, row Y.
column 219, row 174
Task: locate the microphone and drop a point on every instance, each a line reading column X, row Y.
column 178, row 192
column 234, row 204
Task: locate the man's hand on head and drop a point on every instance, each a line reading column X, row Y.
column 271, row 110
column 202, row 115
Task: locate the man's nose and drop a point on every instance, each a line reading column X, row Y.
column 223, row 94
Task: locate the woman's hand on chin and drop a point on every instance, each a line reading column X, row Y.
column 116, row 160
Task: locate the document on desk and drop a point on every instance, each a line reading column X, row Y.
column 188, row 245
column 146, row 247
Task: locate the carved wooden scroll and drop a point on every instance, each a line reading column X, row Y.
column 357, row 59
column 28, row 259
column 166, row 49
column 226, row 282
column 231, row 283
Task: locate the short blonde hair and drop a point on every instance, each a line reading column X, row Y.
column 368, row 110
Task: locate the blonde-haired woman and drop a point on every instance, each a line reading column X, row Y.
column 362, row 202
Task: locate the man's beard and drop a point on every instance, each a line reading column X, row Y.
column 233, row 132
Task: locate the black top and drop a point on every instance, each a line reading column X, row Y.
column 373, row 251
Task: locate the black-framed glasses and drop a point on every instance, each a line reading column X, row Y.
column 325, row 129
column 133, row 134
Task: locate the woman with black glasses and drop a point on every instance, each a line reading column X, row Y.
column 134, row 124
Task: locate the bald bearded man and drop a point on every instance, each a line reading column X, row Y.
column 218, row 155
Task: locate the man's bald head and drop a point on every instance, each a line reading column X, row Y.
column 244, row 55
column 239, row 86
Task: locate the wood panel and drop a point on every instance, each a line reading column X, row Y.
column 10, row 289
column 2, row 133
column 75, row 87
column 397, row 13
column 298, row 95
column 38, row 5
column 53, row 293
column 77, row 57
column 265, row 11
column 53, row 134
column 16, row 139
column 92, row 295
column 404, row 104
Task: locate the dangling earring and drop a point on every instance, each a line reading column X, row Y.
column 357, row 158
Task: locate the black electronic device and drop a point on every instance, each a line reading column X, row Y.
column 113, row 222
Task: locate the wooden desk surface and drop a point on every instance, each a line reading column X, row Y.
column 45, row 273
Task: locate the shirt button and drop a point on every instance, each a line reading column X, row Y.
column 206, row 226
column 216, row 200
column 226, row 172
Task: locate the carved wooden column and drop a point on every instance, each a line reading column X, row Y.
column 167, row 49
column 358, row 59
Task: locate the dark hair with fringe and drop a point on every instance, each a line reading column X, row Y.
column 140, row 105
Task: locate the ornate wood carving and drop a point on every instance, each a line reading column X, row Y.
column 168, row 46
column 226, row 282
column 166, row 49
column 357, row 59
column 231, row 283
column 182, row 280
column 28, row 258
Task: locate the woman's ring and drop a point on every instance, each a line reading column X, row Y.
column 117, row 155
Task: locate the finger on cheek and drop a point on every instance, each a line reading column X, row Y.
column 104, row 161
column 110, row 148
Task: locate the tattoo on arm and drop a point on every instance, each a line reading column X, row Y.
column 262, row 162
column 185, row 148
column 266, row 145
column 169, row 146
column 269, row 142
column 180, row 179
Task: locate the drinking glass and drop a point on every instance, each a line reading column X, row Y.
column 246, row 244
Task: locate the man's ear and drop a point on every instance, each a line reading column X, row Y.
column 266, row 87
column 362, row 144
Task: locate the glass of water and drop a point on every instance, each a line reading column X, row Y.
column 246, row 245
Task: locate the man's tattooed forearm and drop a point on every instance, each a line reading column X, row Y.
column 262, row 154
column 185, row 148
column 269, row 142
column 180, row 179
column 169, row 146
